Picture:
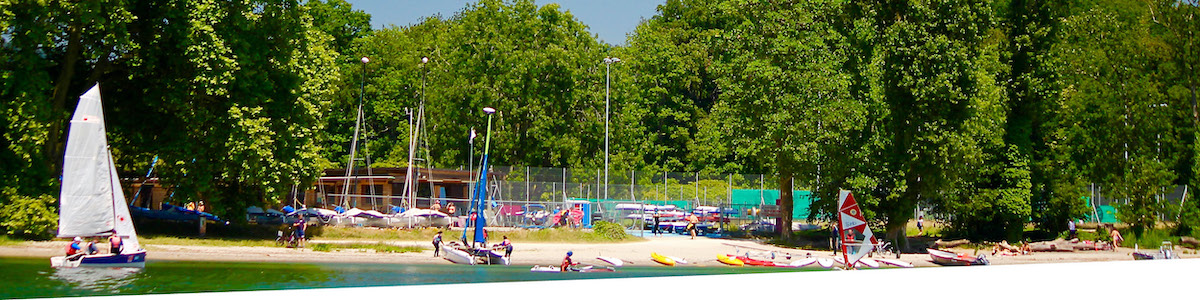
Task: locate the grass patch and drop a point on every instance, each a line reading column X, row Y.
column 377, row 247
column 214, row 242
column 7, row 241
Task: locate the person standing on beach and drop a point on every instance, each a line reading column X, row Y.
column 692, row 221
column 437, row 243
column 508, row 247
column 833, row 239
column 657, row 217
column 921, row 225
column 1071, row 229
column 1116, row 238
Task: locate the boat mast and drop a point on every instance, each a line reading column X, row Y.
column 362, row 88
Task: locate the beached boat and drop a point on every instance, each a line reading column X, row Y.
column 458, row 256
column 730, row 260
column 955, row 259
column 92, row 203
column 1165, row 251
column 667, row 261
column 477, row 248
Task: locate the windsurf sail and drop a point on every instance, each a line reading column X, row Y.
column 857, row 239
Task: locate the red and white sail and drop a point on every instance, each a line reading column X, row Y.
column 857, row 239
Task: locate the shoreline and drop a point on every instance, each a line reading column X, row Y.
column 699, row 252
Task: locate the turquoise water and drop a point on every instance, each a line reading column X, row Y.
column 33, row 277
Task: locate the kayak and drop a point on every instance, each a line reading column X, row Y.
column 755, row 262
column 662, row 259
column 616, row 262
column 732, row 261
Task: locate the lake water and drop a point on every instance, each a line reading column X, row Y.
column 33, row 277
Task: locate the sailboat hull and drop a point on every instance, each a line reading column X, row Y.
column 124, row 260
column 458, row 256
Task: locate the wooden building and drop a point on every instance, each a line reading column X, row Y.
column 368, row 189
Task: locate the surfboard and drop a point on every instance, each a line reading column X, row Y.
column 825, row 262
column 800, row 263
column 896, row 262
column 616, row 262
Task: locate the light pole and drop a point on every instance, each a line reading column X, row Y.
column 608, row 61
column 362, row 87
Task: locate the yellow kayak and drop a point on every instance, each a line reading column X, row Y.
column 662, row 259
column 729, row 260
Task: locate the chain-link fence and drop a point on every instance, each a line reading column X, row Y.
column 632, row 198
column 1104, row 204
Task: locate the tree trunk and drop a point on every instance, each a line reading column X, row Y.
column 54, row 144
column 785, row 206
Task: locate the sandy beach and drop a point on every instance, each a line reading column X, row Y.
column 701, row 251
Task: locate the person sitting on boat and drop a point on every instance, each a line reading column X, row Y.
column 73, row 250
column 436, row 206
column 567, row 263
column 450, row 210
column 115, row 244
column 91, row 246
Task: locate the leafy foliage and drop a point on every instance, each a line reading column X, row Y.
column 28, row 217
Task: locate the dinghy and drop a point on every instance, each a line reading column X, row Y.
column 92, row 203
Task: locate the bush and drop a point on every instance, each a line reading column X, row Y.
column 609, row 230
column 28, row 217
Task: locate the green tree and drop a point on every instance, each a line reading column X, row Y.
column 228, row 94
column 784, row 90
column 1111, row 65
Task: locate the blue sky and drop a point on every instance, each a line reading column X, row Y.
column 609, row 19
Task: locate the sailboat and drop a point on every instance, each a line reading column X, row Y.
column 857, row 239
column 478, row 250
column 91, row 202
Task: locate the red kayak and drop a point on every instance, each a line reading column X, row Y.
column 755, row 262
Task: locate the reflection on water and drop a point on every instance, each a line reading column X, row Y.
column 103, row 280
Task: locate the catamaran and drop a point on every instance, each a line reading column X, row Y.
column 91, row 201
column 478, row 250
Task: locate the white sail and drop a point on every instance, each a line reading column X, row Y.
column 86, row 201
column 124, row 223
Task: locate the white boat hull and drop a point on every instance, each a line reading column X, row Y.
column 457, row 256
column 125, row 260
